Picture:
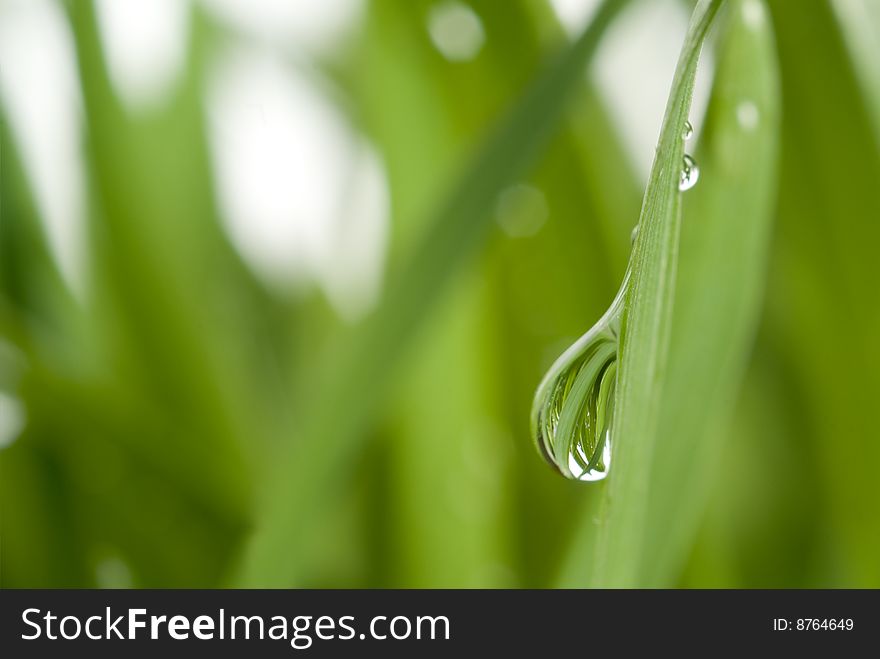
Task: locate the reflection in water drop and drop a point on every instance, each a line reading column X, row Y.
column 574, row 404
column 690, row 173
column 573, row 409
column 688, row 131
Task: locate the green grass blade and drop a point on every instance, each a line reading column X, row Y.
column 350, row 391
column 41, row 546
column 645, row 329
column 26, row 263
column 453, row 415
column 823, row 317
column 860, row 23
column 795, row 504
column 157, row 252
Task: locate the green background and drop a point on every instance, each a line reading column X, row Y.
column 159, row 405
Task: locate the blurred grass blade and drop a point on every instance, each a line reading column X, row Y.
column 722, row 265
column 32, row 290
column 825, row 275
column 445, row 422
column 41, row 547
column 158, row 252
column 860, row 23
column 645, row 329
column 170, row 307
column 350, row 391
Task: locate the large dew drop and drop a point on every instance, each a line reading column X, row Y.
column 574, row 404
column 573, row 410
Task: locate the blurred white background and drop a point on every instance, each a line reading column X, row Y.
column 300, row 191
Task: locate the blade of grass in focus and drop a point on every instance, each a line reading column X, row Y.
column 360, row 376
column 645, row 331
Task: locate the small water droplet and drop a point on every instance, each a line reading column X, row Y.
column 633, row 235
column 688, row 131
column 574, row 404
column 690, row 173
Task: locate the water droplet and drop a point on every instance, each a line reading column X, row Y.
column 690, row 173
column 574, row 404
column 633, row 235
column 688, row 131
